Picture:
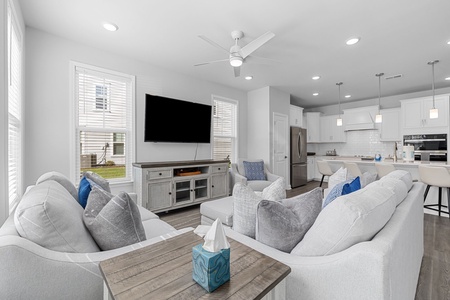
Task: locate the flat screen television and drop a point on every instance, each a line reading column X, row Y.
column 176, row 121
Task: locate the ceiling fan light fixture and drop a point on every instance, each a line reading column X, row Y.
column 236, row 61
column 110, row 26
column 353, row 41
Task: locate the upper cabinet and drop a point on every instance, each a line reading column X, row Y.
column 390, row 126
column 312, row 121
column 296, row 116
column 415, row 115
column 329, row 131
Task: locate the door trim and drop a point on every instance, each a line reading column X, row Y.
column 287, row 146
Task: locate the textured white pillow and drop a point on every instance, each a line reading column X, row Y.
column 337, row 177
column 403, row 175
column 348, row 220
column 49, row 216
column 396, row 185
column 367, row 178
column 245, row 203
column 276, row 191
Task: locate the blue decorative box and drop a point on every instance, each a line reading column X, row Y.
column 210, row 269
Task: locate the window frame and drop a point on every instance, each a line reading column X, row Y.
column 235, row 139
column 130, row 145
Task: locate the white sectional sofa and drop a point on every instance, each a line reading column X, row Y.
column 30, row 271
column 385, row 267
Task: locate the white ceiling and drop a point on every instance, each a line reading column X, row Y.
column 397, row 37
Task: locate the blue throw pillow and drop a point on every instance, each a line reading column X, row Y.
column 351, row 187
column 254, row 170
column 83, row 191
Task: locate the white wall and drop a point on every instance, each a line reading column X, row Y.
column 258, row 122
column 48, row 108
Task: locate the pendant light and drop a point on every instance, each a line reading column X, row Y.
column 379, row 117
column 339, row 119
column 434, row 111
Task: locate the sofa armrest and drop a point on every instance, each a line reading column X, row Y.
column 29, row 271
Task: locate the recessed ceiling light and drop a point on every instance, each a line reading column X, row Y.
column 448, row 43
column 448, row 78
column 316, row 94
column 110, row 26
column 248, row 77
column 316, row 77
column 347, row 96
column 353, row 41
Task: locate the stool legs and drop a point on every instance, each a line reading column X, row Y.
column 426, row 193
column 323, row 176
column 439, row 205
column 440, row 201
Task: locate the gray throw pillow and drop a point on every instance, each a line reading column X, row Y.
column 282, row 225
column 102, row 182
column 113, row 221
column 245, row 202
column 62, row 180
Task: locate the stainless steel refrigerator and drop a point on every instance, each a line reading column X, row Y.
column 298, row 157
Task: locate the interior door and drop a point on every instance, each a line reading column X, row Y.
column 280, row 146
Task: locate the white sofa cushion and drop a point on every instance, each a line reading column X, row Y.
column 396, row 185
column 245, row 203
column 348, row 220
column 49, row 216
column 403, row 175
column 156, row 227
column 339, row 176
column 219, row 209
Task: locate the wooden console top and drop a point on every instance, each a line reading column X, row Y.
column 159, row 164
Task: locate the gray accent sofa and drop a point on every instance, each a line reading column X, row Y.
column 386, row 267
column 30, row 271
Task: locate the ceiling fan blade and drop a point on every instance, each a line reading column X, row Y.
column 213, row 43
column 237, row 71
column 261, row 60
column 255, row 44
column 211, row 62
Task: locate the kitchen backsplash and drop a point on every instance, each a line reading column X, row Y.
column 363, row 142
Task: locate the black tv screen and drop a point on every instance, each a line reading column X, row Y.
column 176, row 121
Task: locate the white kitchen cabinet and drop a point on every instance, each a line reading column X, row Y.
column 312, row 126
column 329, row 131
column 296, row 116
column 390, row 126
column 310, row 166
column 415, row 115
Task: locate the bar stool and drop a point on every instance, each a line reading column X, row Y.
column 384, row 169
column 324, row 169
column 439, row 177
column 353, row 169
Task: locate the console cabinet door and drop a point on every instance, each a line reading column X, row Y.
column 219, row 185
column 159, row 195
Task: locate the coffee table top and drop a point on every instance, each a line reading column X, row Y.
column 164, row 271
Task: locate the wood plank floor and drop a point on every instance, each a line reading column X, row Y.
column 434, row 278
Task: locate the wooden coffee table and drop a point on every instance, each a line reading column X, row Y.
column 164, row 271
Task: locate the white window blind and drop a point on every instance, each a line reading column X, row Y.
column 225, row 123
column 14, row 109
column 104, row 123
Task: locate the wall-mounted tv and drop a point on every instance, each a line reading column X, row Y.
column 176, row 121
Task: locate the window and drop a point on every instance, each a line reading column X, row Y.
column 14, row 109
column 104, row 135
column 225, row 124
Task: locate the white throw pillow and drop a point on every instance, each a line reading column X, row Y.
column 348, row 220
column 396, row 185
column 337, row 177
column 276, row 191
column 368, row 178
column 245, row 203
column 49, row 216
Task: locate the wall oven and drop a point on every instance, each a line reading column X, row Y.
column 428, row 147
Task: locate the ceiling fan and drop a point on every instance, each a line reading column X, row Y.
column 237, row 55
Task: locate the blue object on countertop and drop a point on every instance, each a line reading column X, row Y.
column 210, row 269
column 378, row 157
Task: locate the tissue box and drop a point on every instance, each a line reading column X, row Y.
column 210, row 269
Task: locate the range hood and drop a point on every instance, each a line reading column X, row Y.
column 362, row 118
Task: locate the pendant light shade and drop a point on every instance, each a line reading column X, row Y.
column 434, row 113
column 379, row 117
column 339, row 119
